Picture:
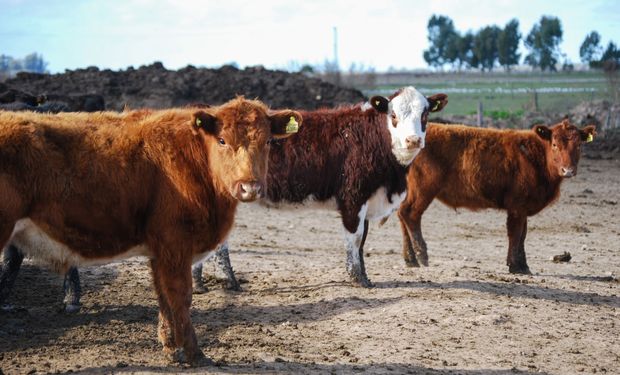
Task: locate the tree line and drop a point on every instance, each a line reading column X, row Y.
column 493, row 46
column 33, row 62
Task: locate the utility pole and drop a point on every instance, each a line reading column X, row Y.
column 336, row 48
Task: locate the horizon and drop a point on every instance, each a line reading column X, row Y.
column 120, row 34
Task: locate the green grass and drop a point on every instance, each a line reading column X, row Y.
column 502, row 94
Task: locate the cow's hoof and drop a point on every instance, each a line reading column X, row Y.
column 362, row 281
column 412, row 263
column 520, row 270
column 233, row 285
column 72, row 309
column 199, row 289
column 423, row 260
column 201, row 360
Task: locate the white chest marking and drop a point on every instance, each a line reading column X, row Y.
column 380, row 208
column 33, row 241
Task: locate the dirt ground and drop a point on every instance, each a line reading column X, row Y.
column 465, row 314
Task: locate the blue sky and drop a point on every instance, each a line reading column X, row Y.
column 118, row 33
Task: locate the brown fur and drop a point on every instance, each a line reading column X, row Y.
column 519, row 171
column 343, row 154
column 105, row 182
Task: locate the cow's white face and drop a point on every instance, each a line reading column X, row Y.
column 407, row 114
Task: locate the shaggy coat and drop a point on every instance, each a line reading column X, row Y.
column 519, row 171
column 340, row 154
column 88, row 188
column 353, row 159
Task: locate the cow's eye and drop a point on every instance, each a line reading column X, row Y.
column 394, row 120
column 221, row 141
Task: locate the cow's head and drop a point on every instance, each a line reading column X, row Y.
column 407, row 113
column 237, row 136
column 563, row 145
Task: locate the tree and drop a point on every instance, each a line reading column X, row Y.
column 485, row 46
column 465, row 47
column 611, row 54
column 590, row 50
column 508, row 45
column 34, row 63
column 610, row 62
column 442, row 37
column 543, row 42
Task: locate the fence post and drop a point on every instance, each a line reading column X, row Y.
column 479, row 113
column 535, row 101
column 608, row 121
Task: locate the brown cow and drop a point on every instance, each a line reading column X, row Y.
column 89, row 188
column 519, row 171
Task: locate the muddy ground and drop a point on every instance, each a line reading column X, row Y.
column 465, row 314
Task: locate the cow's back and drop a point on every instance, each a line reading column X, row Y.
column 472, row 167
column 89, row 179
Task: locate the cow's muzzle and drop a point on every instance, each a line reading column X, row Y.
column 568, row 171
column 247, row 191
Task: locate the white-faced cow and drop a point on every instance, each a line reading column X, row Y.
column 89, row 188
column 351, row 159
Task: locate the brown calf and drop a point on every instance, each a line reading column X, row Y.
column 519, row 171
column 89, row 188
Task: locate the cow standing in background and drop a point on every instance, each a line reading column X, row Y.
column 81, row 188
column 519, row 171
column 353, row 160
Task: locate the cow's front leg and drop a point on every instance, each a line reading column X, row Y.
column 72, row 290
column 11, row 263
column 517, row 230
column 173, row 282
column 356, row 229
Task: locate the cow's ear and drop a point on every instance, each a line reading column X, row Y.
column 285, row 123
column 542, row 131
column 204, row 121
column 437, row 102
column 380, row 103
column 587, row 133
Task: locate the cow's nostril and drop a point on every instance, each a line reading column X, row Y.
column 412, row 141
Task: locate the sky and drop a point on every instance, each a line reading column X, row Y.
column 279, row 34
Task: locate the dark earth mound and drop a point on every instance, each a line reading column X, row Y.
column 154, row 86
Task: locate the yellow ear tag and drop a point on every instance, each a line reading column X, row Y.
column 377, row 102
column 292, row 126
column 590, row 138
column 436, row 106
column 198, row 122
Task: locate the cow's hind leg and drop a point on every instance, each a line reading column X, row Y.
column 11, row 263
column 223, row 265
column 72, row 290
column 174, row 287
column 198, row 283
column 221, row 262
column 517, row 230
column 354, row 243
